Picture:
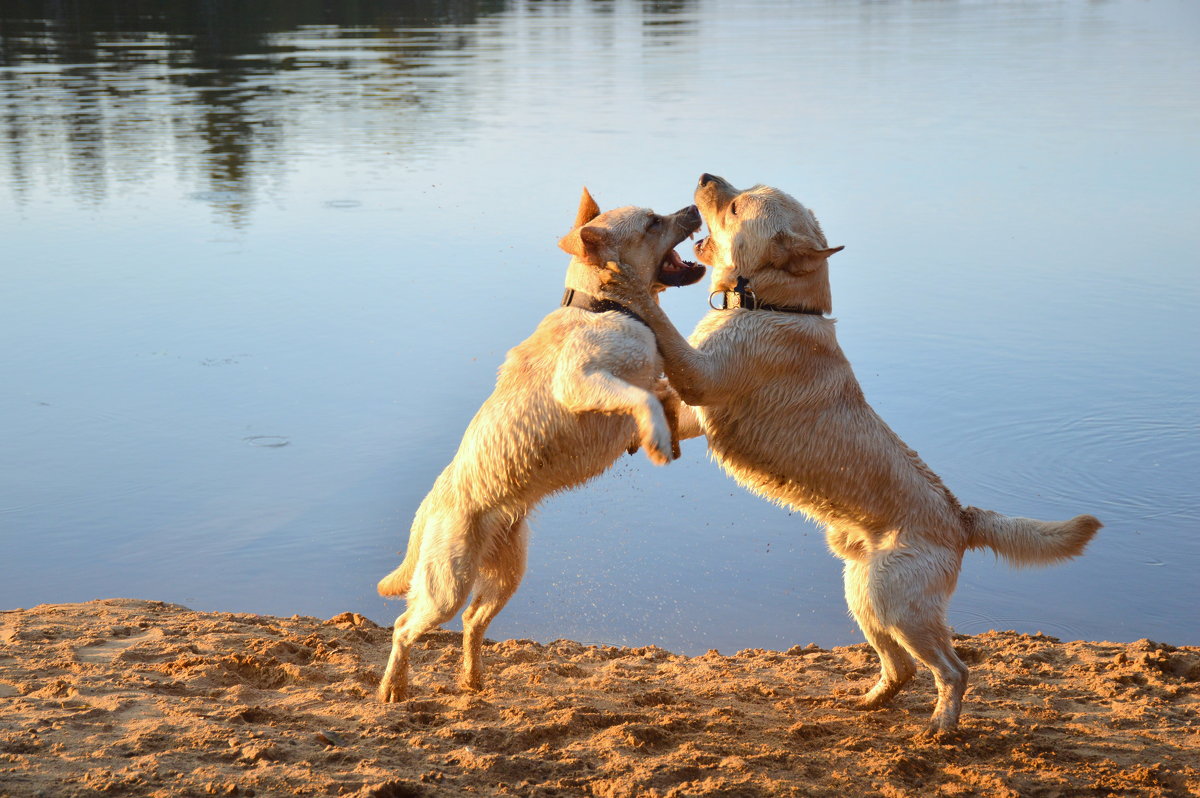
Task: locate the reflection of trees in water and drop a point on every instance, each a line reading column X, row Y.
column 89, row 82
column 223, row 69
column 116, row 87
column 665, row 19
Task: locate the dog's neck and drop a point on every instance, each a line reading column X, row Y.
column 809, row 290
column 590, row 280
column 585, row 279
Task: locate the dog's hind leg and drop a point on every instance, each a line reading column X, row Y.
column 499, row 576
column 929, row 641
column 910, row 593
column 896, row 666
column 442, row 581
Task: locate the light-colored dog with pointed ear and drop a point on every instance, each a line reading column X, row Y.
column 785, row 416
column 569, row 400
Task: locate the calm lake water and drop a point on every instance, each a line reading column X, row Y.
column 258, row 271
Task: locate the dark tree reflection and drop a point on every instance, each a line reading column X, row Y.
column 116, row 90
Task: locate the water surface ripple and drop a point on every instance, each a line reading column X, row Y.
column 260, row 266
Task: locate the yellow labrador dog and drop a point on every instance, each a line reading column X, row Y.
column 569, row 400
column 785, row 416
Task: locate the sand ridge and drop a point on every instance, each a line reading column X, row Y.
column 129, row 697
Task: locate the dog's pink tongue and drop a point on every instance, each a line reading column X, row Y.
column 673, row 262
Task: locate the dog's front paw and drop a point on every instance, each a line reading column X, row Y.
column 657, row 456
column 621, row 285
column 670, row 402
column 659, row 447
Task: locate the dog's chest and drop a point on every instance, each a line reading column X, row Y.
column 565, row 345
column 767, row 424
column 626, row 349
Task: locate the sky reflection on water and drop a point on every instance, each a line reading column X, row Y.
column 325, row 226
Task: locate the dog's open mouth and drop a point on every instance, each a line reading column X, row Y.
column 676, row 271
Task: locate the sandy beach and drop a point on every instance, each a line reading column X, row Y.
column 131, row 697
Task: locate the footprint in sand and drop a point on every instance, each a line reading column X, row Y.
column 105, row 651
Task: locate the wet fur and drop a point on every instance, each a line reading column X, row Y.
column 569, row 400
column 785, row 416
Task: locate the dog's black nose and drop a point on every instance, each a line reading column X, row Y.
column 690, row 215
column 706, row 178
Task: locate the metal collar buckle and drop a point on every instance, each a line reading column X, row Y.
column 732, row 300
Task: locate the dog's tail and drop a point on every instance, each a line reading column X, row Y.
column 399, row 581
column 1024, row 541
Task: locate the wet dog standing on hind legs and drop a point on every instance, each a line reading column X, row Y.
column 785, row 416
column 569, row 400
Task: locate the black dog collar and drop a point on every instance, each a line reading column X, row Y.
column 578, row 299
column 741, row 297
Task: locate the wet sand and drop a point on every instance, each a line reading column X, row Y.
column 129, row 697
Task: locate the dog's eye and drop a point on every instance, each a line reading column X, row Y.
column 654, row 220
column 733, row 207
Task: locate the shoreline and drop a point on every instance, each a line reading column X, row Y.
column 136, row 697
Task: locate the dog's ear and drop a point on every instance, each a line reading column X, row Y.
column 583, row 245
column 587, row 243
column 588, row 209
column 795, row 255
